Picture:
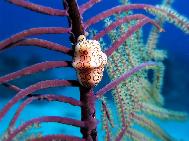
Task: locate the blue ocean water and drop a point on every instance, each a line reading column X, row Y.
column 14, row 19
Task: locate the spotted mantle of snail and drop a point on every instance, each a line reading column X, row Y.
column 89, row 61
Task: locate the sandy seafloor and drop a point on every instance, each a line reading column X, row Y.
column 14, row 19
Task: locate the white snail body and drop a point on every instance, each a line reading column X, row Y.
column 89, row 61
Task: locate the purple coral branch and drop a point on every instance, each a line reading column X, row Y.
column 35, row 87
column 44, row 44
column 57, row 138
column 57, row 119
column 30, row 32
column 39, row 8
column 11, row 87
column 104, row 106
column 130, row 32
column 121, row 134
column 122, row 110
column 118, row 23
column 115, row 10
column 48, row 97
column 34, row 69
column 87, row 5
column 124, row 76
column 107, row 114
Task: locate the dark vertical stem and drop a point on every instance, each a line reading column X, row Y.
column 88, row 114
column 87, row 97
column 75, row 19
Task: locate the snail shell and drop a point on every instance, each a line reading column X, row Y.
column 89, row 61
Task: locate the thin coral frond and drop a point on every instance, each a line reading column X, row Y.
column 44, row 44
column 31, row 32
column 39, row 8
column 35, row 87
column 57, row 138
column 116, row 10
column 171, row 16
column 48, row 97
column 151, row 126
column 163, row 113
column 118, row 23
column 87, row 5
column 105, row 122
column 126, row 75
column 34, row 69
column 130, row 32
column 11, row 87
column 107, row 112
column 56, row 119
column 136, row 135
column 121, row 134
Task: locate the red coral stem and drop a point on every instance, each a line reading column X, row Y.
column 35, row 87
column 126, row 75
column 57, row 119
column 30, row 32
column 130, row 32
column 34, row 69
column 39, row 8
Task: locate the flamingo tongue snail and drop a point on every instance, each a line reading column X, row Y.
column 89, row 61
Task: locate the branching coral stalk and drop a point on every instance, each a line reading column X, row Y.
column 116, row 10
column 39, row 8
column 44, row 44
column 56, row 119
column 38, row 86
column 126, row 75
column 118, row 23
column 57, row 137
column 87, row 5
column 130, row 31
column 34, row 69
column 121, row 134
column 31, row 32
column 48, row 97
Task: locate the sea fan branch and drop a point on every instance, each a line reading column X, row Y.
column 137, row 135
column 107, row 112
column 87, row 5
column 34, row 69
column 35, row 87
column 130, row 32
column 118, row 23
column 44, row 44
column 57, row 119
column 126, row 75
column 11, row 87
column 151, row 126
column 163, row 113
column 39, row 8
column 57, row 138
column 116, row 10
column 30, row 32
column 121, row 134
column 48, row 97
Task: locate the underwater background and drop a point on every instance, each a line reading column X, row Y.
column 14, row 19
